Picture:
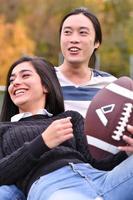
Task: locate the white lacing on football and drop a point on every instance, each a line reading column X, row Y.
column 125, row 115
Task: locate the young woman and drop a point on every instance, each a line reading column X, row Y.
column 43, row 150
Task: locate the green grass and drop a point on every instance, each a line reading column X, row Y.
column 1, row 99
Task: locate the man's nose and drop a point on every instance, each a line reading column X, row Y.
column 75, row 38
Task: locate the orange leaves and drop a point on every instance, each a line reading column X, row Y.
column 14, row 42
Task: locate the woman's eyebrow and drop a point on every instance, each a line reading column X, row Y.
column 23, row 70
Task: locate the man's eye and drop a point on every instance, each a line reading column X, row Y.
column 67, row 32
column 25, row 75
column 83, row 32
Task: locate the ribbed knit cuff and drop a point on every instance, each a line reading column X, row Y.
column 37, row 147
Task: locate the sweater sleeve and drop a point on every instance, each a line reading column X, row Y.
column 16, row 165
column 82, row 146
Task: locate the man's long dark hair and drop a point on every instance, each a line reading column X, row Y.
column 46, row 71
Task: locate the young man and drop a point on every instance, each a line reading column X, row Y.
column 80, row 37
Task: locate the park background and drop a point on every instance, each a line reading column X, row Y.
column 31, row 27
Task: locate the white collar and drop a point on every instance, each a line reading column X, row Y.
column 19, row 116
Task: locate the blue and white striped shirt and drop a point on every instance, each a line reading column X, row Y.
column 78, row 97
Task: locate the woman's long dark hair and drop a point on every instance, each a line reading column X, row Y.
column 46, row 71
column 96, row 25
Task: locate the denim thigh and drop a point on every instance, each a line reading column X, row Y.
column 11, row 192
column 65, row 183
column 84, row 180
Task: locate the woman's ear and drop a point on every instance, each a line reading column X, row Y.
column 45, row 91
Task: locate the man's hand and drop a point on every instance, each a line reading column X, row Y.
column 128, row 140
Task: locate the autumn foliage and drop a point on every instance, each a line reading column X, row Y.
column 14, row 42
column 32, row 27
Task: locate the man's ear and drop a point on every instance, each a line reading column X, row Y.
column 96, row 45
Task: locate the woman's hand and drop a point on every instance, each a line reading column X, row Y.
column 58, row 132
column 128, row 140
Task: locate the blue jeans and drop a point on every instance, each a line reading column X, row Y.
column 11, row 192
column 83, row 182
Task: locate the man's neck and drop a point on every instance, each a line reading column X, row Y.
column 76, row 74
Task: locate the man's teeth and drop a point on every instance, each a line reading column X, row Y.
column 74, row 49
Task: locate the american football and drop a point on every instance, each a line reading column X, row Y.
column 107, row 117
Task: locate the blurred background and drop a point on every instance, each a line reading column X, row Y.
column 31, row 27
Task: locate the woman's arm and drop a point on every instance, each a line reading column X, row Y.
column 16, row 165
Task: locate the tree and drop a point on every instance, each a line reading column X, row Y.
column 117, row 41
column 14, row 42
column 43, row 18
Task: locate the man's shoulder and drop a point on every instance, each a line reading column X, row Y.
column 102, row 73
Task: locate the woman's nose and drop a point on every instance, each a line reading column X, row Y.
column 17, row 81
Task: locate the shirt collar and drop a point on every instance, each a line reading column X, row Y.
column 19, row 116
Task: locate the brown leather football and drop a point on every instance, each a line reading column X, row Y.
column 107, row 117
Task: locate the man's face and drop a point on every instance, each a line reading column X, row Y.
column 77, row 39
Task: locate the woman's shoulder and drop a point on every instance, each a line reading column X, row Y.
column 4, row 126
column 38, row 121
column 71, row 113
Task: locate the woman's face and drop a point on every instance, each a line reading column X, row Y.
column 26, row 89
